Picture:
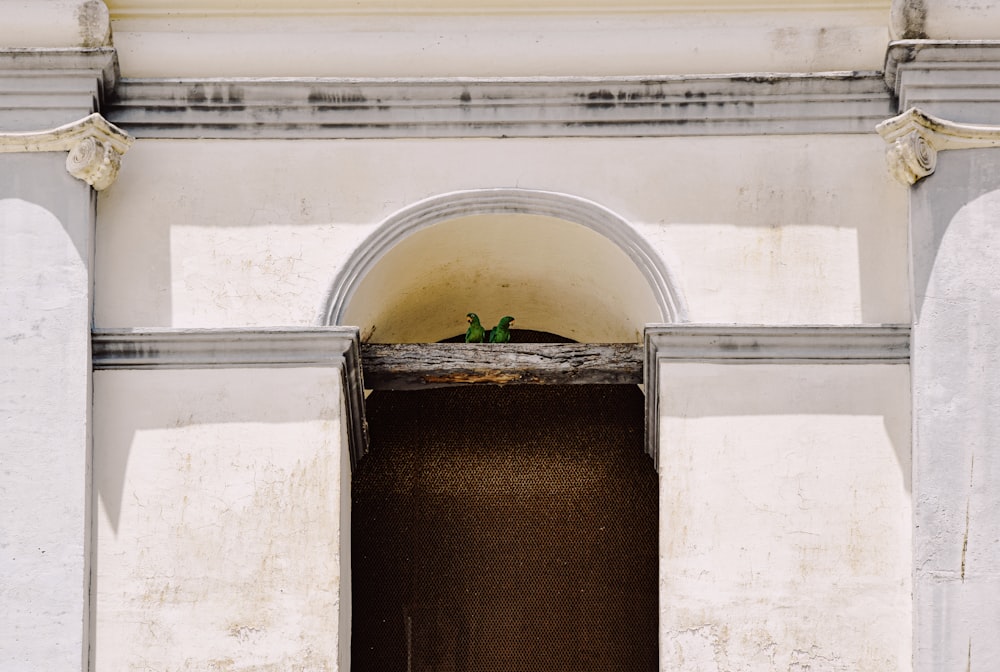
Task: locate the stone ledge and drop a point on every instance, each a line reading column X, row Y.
column 846, row 102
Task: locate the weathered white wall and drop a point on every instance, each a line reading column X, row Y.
column 501, row 38
column 46, row 220
column 241, row 233
column 220, row 520
column 944, row 20
column 956, row 384
column 55, row 23
column 785, row 517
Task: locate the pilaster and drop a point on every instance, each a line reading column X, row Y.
column 55, row 151
column 950, row 90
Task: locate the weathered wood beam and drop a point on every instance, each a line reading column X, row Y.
column 413, row 366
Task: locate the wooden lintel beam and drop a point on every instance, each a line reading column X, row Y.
column 413, row 366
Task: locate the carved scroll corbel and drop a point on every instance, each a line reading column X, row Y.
column 94, row 162
column 95, row 148
column 916, row 137
column 911, row 157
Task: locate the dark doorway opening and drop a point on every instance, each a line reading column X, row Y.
column 501, row 529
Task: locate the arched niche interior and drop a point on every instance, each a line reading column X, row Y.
column 555, row 262
column 558, row 264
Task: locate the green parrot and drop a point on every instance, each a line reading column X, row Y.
column 501, row 332
column 475, row 333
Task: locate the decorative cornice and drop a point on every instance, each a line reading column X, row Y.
column 916, row 137
column 937, row 54
column 45, row 88
column 95, row 148
column 953, row 79
column 124, row 349
column 725, row 344
column 846, row 102
column 100, row 60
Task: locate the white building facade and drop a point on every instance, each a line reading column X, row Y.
column 208, row 207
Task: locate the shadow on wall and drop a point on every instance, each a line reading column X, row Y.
column 959, row 202
column 40, row 184
column 204, row 481
column 832, row 408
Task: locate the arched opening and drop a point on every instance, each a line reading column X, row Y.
column 561, row 263
column 505, row 528
column 508, row 527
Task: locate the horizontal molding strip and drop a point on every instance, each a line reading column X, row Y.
column 101, row 62
column 851, row 344
column 479, row 107
column 220, row 348
column 44, row 88
column 939, row 55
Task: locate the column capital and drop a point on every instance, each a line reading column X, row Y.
column 916, row 137
column 95, row 147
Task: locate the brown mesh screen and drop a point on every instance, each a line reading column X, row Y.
column 505, row 529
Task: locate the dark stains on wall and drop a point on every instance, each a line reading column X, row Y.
column 326, row 100
column 95, row 28
column 228, row 95
column 909, row 20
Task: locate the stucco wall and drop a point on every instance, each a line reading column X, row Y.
column 438, row 38
column 46, row 224
column 956, row 376
column 753, row 230
column 785, row 517
column 220, row 522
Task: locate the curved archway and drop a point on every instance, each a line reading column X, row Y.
column 560, row 263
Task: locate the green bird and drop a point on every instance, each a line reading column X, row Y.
column 501, row 332
column 475, row 333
